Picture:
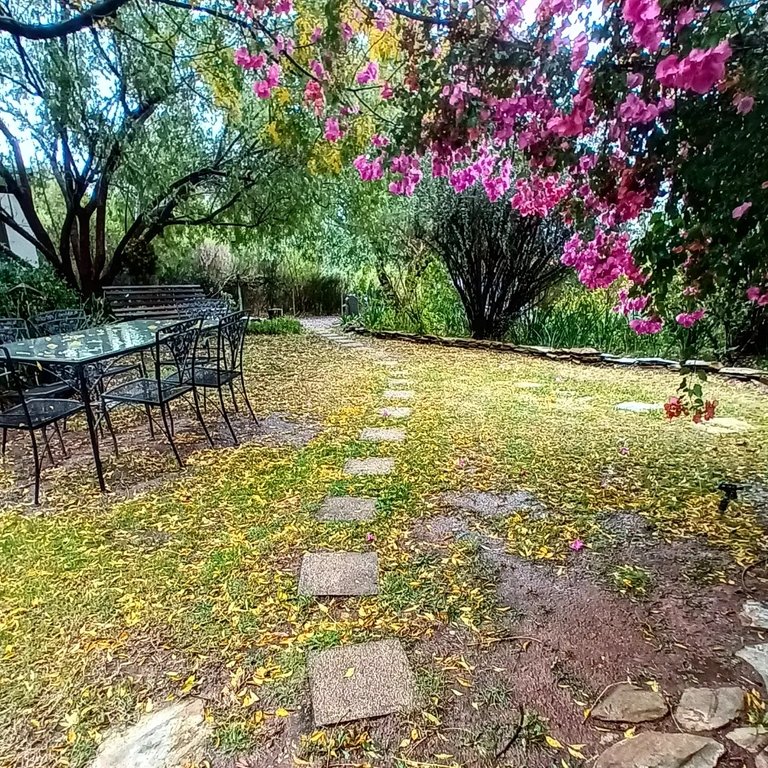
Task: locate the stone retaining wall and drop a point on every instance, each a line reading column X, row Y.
column 586, row 355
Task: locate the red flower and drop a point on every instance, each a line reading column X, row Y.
column 709, row 409
column 673, row 408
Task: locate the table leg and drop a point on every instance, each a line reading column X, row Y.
column 85, row 395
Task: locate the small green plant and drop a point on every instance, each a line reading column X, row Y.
column 340, row 743
column 279, row 326
column 534, row 730
column 754, row 708
column 631, row 580
column 234, row 737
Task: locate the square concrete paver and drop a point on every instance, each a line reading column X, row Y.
column 382, row 435
column 395, row 413
column 354, row 682
column 398, row 384
column 398, row 394
column 346, row 508
column 336, row 574
column 371, row 466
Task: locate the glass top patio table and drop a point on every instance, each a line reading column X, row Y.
column 79, row 349
column 88, row 345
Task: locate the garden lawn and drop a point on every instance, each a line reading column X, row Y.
column 113, row 605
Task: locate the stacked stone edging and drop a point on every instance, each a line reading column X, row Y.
column 587, row 355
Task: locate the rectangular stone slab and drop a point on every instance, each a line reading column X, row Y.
column 398, row 394
column 382, row 435
column 337, row 574
column 371, row 466
column 346, row 508
column 355, row 682
column 395, row 413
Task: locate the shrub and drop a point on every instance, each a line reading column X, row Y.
column 278, row 327
column 26, row 290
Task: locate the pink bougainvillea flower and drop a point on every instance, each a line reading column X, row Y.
column 634, row 80
column 369, row 170
column 684, row 17
column 579, row 50
column 317, row 69
column 317, row 33
column 709, row 409
column 673, row 408
column 282, row 7
column 743, row 103
column 643, row 16
column 740, row 210
column 699, row 71
column 623, row 450
column 332, row 131
column 386, row 91
column 461, row 463
column 368, row 73
column 689, row 319
column 347, row 32
column 577, row 545
column 644, row 326
column 379, row 141
column 370, row 537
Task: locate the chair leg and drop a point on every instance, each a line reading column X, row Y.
column 149, row 419
column 169, row 434
column 110, row 428
column 61, row 439
column 226, row 416
column 200, row 415
column 170, row 418
column 47, row 445
column 38, row 468
column 232, row 392
column 247, row 401
column 5, row 440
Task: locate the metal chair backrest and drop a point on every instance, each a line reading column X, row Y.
column 13, row 329
column 176, row 347
column 230, row 339
column 60, row 321
column 14, row 384
column 208, row 309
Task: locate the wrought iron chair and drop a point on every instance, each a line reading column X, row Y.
column 59, row 321
column 227, row 366
column 175, row 347
column 208, row 309
column 30, row 414
column 13, row 329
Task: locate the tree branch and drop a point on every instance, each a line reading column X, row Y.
column 102, row 10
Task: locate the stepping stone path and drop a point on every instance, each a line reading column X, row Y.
column 339, row 574
column 755, row 614
column 639, row 407
column 628, row 703
column 346, row 508
column 398, row 394
column 757, row 657
column 528, row 385
column 382, row 435
column 723, row 425
column 169, row 737
column 751, row 738
column 353, row 682
column 371, row 466
column 662, row 750
column 395, row 413
column 707, row 709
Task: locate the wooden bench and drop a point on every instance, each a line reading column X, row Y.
column 156, row 302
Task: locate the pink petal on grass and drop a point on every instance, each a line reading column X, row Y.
column 740, row 210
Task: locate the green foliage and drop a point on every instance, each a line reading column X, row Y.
column 280, row 326
column 26, row 290
column 581, row 318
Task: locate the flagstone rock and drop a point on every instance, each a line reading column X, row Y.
column 528, row 385
column 382, row 435
column 628, row 703
column 395, row 413
column 635, row 407
column 755, row 614
column 373, row 465
column 708, row 709
column 751, row 738
column 342, row 508
column 171, row 737
column 723, row 425
column 757, row 657
column 398, row 384
column 354, row 682
column 663, row 750
column 339, row 574
column 398, row 394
